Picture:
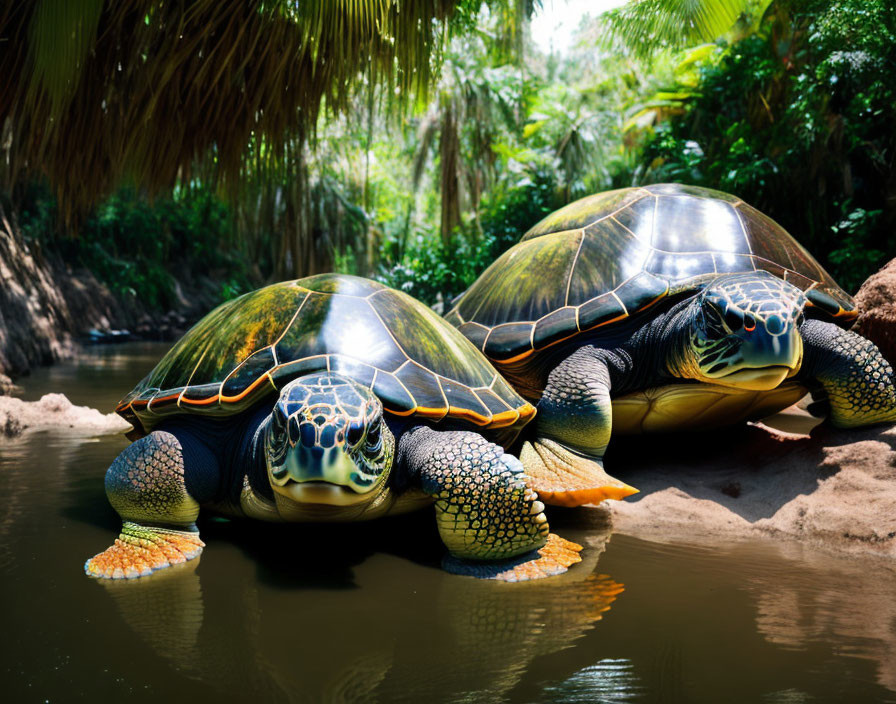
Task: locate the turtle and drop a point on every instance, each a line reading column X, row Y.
column 662, row 308
column 326, row 398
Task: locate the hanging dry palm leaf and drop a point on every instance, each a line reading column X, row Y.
column 98, row 91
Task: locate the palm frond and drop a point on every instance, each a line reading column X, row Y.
column 60, row 36
column 646, row 26
column 96, row 92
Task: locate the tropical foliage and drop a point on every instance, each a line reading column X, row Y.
column 797, row 118
column 428, row 148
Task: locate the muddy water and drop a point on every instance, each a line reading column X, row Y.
column 363, row 613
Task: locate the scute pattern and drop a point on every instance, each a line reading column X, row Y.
column 380, row 338
column 424, row 338
column 580, row 213
column 520, row 275
column 613, row 254
column 608, row 256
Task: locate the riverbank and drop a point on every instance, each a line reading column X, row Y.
column 48, row 306
column 784, row 479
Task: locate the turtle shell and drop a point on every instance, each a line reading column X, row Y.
column 250, row 347
column 604, row 258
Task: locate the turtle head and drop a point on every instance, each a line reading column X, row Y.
column 744, row 332
column 327, row 442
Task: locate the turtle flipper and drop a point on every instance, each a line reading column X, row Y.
column 555, row 557
column 859, row 384
column 492, row 523
column 573, row 426
column 140, row 550
column 145, row 485
column 564, row 478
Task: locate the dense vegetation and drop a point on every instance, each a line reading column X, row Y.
column 791, row 108
column 799, row 119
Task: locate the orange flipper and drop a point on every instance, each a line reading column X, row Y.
column 140, row 550
column 563, row 478
column 555, row 557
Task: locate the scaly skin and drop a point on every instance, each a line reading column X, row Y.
column 574, row 419
column 484, row 510
column 486, row 514
column 859, row 383
column 575, row 406
column 145, row 485
column 140, row 550
column 483, row 507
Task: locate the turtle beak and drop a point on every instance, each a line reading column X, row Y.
column 318, row 467
column 765, row 361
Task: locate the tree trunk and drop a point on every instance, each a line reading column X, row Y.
column 449, row 148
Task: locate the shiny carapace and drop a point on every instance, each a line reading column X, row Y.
column 661, row 308
column 330, row 398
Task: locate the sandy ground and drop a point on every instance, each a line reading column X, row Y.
column 784, row 478
column 54, row 411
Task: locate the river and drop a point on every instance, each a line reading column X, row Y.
column 363, row 613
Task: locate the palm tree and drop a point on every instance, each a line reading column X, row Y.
column 475, row 102
column 97, row 91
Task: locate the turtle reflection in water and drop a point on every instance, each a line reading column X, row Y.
column 661, row 308
column 330, row 398
column 426, row 636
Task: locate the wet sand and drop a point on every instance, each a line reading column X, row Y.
column 786, row 478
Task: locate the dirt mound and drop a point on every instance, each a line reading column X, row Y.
column 7, row 388
column 877, row 310
column 836, row 489
column 57, row 412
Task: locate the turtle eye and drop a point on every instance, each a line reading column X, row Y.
column 277, row 443
column 373, row 437
column 354, row 433
column 302, row 432
column 749, row 322
column 734, row 319
column 278, row 426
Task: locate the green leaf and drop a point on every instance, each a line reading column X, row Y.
column 647, row 26
column 532, row 128
column 696, row 55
